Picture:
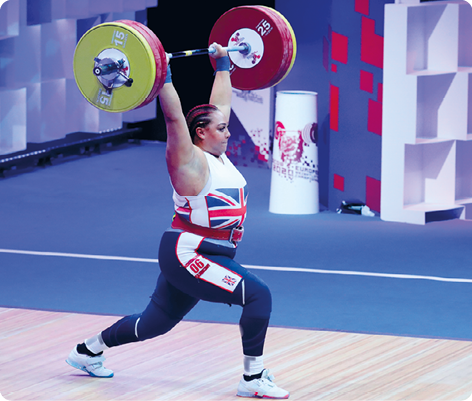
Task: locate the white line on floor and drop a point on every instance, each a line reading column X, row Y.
column 79, row 255
column 272, row 268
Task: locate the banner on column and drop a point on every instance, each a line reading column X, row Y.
column 294, row 180
column 249, row 142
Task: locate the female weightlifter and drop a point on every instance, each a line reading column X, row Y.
column 196, row 253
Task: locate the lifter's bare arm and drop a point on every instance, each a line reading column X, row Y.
column 185, row 162
column 221, row 91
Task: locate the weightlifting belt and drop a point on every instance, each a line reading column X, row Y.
column 233, row 235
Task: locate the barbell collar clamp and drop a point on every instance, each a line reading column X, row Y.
column 109, row 68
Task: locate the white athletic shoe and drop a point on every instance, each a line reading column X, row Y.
column 91, row 365
column 261, row 388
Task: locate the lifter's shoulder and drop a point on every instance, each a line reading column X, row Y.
column 188, row 179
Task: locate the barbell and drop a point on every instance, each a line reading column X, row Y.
column 122, row 65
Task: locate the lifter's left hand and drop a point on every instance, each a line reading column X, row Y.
column 220, row 51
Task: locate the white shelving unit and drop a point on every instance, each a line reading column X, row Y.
column 427, row 112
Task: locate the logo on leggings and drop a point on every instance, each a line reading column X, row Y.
column 197, row 267
column 229, row 280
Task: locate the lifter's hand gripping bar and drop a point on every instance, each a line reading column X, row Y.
column 243, row 48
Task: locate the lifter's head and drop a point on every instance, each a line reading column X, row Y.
column 199, row 117
column 208, row 128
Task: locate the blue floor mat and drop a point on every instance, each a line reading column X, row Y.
column 119, row 203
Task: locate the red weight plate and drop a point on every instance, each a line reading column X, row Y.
column 288, row 54
column 281, row 29
column 289, row 48
column 285, row 45
column 273, row 36
column 291, row 43
column 159, row 56
column 161, row 63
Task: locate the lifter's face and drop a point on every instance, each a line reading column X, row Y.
column 215, row 135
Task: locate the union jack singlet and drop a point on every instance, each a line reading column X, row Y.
column 222, row 203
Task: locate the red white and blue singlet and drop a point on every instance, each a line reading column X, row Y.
column 222, row 203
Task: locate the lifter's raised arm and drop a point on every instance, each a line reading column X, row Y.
column 221, row 91
column 187, row 169
column 186, row 161
column 179, row 144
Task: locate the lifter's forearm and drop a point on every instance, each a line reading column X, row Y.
column 170, row 103
column 221, row 91
column 179, row 147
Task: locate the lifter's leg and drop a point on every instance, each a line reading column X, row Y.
column 256, row 381
column 252, row 294
column 167, row 308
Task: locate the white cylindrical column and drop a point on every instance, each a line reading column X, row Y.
column 294, row 181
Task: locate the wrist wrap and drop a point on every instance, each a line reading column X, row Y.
column 168, row 76
column 222, row 64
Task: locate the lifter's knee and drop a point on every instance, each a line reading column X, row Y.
column 258, row 299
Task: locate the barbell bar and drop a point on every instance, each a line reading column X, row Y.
column 117, row 65
column 244, row 49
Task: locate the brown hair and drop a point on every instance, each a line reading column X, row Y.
column 199, row 116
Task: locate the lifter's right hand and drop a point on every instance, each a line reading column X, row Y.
column 220, row 51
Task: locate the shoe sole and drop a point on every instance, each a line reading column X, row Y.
column 83, row 369
column 252, row 395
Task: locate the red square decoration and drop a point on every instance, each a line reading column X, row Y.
column 372, row 193
column 339, row 182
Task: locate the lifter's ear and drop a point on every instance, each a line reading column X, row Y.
column 200, row 132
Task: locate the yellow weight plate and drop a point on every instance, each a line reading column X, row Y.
column 115, row 37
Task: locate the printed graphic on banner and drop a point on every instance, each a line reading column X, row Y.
column 253, row 110
column 2, row 2
column 293, row 157
column 259, row 135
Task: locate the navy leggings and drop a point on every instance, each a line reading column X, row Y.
column 177, row 292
